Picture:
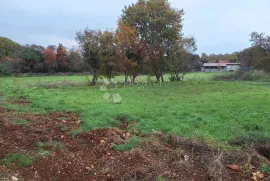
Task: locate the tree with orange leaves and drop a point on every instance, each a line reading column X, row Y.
column 49, row 58
column 127, row 42
column 61, row 57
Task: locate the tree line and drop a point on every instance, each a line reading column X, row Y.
column 15, row 58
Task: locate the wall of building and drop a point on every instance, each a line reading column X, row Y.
column 232, row 68
column 214, row 69
column 228, row 68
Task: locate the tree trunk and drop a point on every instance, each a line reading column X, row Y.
column 177, row 77
column 134, row 75
column 157, row 77
column 94, row 79
column 126, row 77
column 162, row 79
column 182, row 76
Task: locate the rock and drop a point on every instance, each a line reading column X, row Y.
column 186, row 157
column 14, row 178
column 102, row 141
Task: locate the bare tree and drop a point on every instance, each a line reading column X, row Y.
column 261, row 40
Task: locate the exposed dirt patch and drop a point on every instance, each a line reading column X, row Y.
column 90, row 156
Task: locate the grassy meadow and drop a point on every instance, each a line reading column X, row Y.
column 216, row 111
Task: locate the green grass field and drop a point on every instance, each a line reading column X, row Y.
column 198, row 107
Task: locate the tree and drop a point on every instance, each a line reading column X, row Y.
column 89, row 42
column 76, row 60
column 251, row 57
column 7, row 47
column 107, row 54
column 265, row 63
column 216, row 58
column 52, row 47
column 127, row 44
column 258, row 39
column 157, row 24
column 37, row 47
column 179, row 57
column 61, row 58
column 31, row 56
column 50, row 58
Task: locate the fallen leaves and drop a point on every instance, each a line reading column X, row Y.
column 257, row 176
column 234, row 167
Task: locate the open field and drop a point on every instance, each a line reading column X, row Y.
column 214, row 110
column 56, row 114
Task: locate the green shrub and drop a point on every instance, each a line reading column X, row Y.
column 254, row 75
column 160, row 179
column 130, row 144
column 50, row 145
column 265, row 169
column 19, row 159
column 9, row 67
column 20, row 122
column 250, row 138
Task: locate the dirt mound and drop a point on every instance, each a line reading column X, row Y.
column 59, row 156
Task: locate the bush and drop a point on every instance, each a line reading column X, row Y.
column 10, row 67
column 266, row 63
column 249, row 139
column 255, row 75
column 6, row 68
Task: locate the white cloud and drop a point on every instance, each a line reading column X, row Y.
column 46, row 40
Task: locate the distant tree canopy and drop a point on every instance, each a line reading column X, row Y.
column 258, row 39
column 215, row 58
column 7, row 47
column 31, row 55
column 35, row 58
column 257, row 56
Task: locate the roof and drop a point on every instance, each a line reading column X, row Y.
column 214, row 64
column 233, row 63
column 219, row 64
column 223, row 61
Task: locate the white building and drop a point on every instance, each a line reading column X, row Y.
column 221, row 67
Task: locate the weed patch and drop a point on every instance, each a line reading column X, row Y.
column 20, row 122
column 265, row 169
column 128, row 145
column 18, row 159
column 160, row 179
column 51, row 145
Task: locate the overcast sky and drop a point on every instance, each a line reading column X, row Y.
column 219, row 26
